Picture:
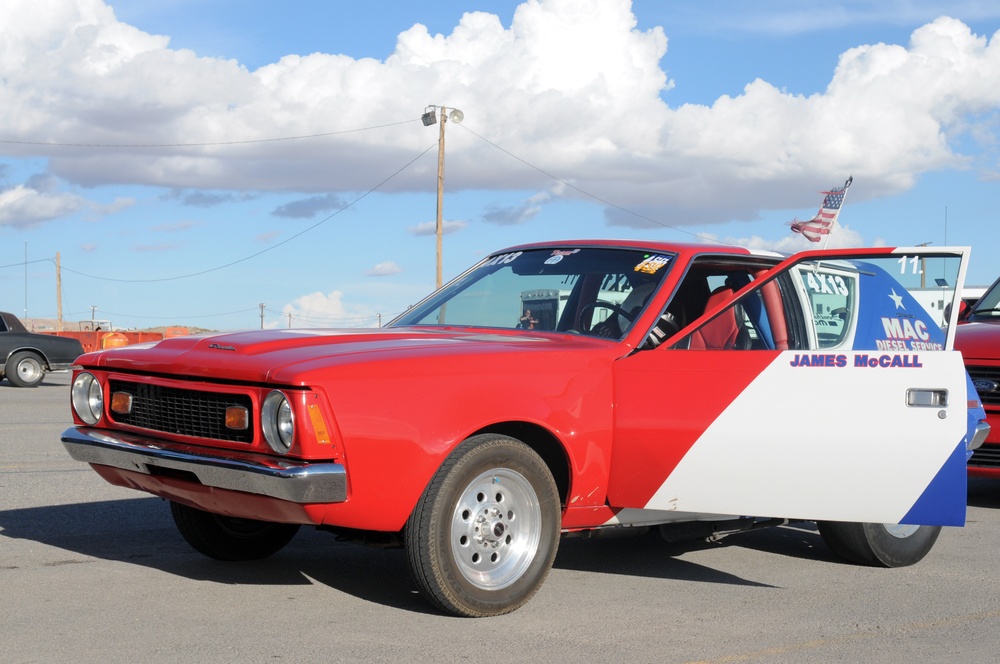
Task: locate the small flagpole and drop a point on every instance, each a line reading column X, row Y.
column 833, row 224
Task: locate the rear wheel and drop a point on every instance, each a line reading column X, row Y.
column 878, row 544
column 230, row 538
column 25, row 369
column 482, row 538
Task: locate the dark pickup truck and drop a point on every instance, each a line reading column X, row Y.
column 26, row 356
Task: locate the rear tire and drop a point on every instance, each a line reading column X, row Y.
column 230, row 538
column 878, row 544
column 25, row 369
column 482, row 538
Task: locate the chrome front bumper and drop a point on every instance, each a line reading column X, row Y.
column 286, row 479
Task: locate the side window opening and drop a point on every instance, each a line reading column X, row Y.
column 774, row 316
column 832, row 296
column 756, row 321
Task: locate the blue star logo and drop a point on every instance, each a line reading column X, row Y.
column 898, row 299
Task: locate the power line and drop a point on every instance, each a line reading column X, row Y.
column 587, row 193
column 272, row 247
column 326, row 321
column 22, row 263
column 201, row 145
column 337, row 212
column 227, row 313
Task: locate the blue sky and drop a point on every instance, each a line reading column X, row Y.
column 190, row 160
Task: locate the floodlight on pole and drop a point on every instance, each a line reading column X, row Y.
column 428, row 118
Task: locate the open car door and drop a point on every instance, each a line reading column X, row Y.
column 827, row 388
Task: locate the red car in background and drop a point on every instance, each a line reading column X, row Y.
column 978, row 337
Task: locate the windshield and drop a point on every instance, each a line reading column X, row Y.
column 598, row 291
column 988, row 306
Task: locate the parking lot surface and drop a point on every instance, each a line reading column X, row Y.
column 95, row 573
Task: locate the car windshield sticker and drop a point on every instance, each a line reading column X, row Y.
column 652, row 264
column 502, row 259
column 826, row 283
column 558, row 255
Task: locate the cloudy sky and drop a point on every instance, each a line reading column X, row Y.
column 190, row 160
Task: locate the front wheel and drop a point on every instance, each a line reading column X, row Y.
column 28, row 369
column 878, row 544
column 482, row 538
column 228, row 537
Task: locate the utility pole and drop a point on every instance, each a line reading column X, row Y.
column 428, row 119
column 262, row 305
column 58, row 293
column 439, row 225
column 923, row 266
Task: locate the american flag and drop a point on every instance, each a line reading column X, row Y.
column 819, row 226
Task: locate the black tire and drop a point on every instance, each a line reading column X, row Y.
column 230, row 538
column 879, row 545
column 25, row 369
column 483, row 536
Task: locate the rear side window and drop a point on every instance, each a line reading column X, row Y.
column 832, row 299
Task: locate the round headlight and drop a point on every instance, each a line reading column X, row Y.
column 277, row 422
column 88, row 398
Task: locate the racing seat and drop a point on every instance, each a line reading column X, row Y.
column 723, row 332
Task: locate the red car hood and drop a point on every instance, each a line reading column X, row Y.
column 289, row 356
column 979, row 340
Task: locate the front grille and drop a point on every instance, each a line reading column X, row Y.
column 185, row 412
column 988, row 456
column 987, row 373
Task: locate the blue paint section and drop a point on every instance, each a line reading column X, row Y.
column 889, row 317
column 977, row 414
column 943, row 501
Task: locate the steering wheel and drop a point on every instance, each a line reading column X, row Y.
column 605, row 305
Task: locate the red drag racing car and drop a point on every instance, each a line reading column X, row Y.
column 560, row 388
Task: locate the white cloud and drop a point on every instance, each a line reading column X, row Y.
column 784, row 17
column 327, row 310
column 430, row 227
column 310, row 207
column 506, row 215
column 385, row 269
column 120, row 203
column 176, row 227
column 162, row 246
column 841, row 237
column 22, row 206
column 39, row 200
column 571, row 91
